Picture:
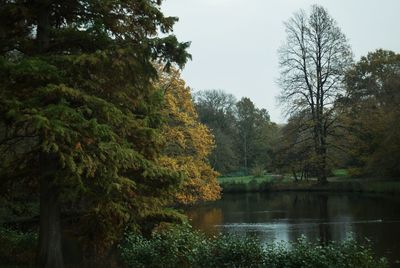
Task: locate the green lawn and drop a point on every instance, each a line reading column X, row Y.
column 340, row 172
column 287, row 178
column 244, row 179
column 340, row 182
column 251, row 183
column 272, row 178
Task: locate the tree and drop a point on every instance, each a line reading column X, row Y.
column 294, row 148
column 265, row 140
column 246, row 129
column 216, row 110
column 188, row 143
column 313, row 62
column 372, row 113
column 80, row 121
column 243, row 133
column 253, row 127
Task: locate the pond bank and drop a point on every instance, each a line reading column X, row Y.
column 334, row 185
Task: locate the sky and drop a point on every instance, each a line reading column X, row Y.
column 234, row 43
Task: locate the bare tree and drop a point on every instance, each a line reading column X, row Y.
column 313, row 62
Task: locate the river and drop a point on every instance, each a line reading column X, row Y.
column 286, row 216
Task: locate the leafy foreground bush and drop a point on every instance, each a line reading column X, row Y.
column 183, row 247
column 17, row 247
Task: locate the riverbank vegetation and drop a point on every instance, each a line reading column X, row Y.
column 275, row 183
column 99, row 134
column 182, row 246
column 186, row 248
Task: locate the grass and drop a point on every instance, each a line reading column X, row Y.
column 340, row 173
column 251, row 183
column 340, row 182
column 244, row 179
column 250, row 179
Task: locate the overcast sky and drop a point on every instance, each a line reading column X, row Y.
column 235, row 42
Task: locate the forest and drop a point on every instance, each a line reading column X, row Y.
column 102, row 142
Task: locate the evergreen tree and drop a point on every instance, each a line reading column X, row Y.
column 79, row 116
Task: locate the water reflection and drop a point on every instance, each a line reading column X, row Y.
column 318, row 216
column 206, row 219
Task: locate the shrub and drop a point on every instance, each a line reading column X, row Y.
column 231, row 251
column 332, row 255
column 257, row 171
column 182, row 247
column 178, row 246
column 355, row 172
column 17, row 247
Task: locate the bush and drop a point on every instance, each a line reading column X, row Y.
column 17, row 247
column 182, row 247
column 175, row 247
column 257, row 171
column 231, row 251
column 333, row 255
column 355, row 172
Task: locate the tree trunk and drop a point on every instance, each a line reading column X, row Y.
column 50, row 252
column 43, row 26
column 245, row 154
column 295, row 175
column 320, row 150
column 322, row 166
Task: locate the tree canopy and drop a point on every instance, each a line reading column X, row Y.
column 372, row 112
column 188, row 143
column 243, row 133
column 80, row 117
column 216, row 110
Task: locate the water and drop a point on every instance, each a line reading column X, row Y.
column 286, row 216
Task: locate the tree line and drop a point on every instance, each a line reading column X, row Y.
column 341, row 113
column 243, row 133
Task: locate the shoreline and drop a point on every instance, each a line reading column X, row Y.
column 342, row 185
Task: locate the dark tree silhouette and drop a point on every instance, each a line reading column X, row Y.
column 313, row 62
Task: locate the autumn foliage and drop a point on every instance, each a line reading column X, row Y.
column 188, row 142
